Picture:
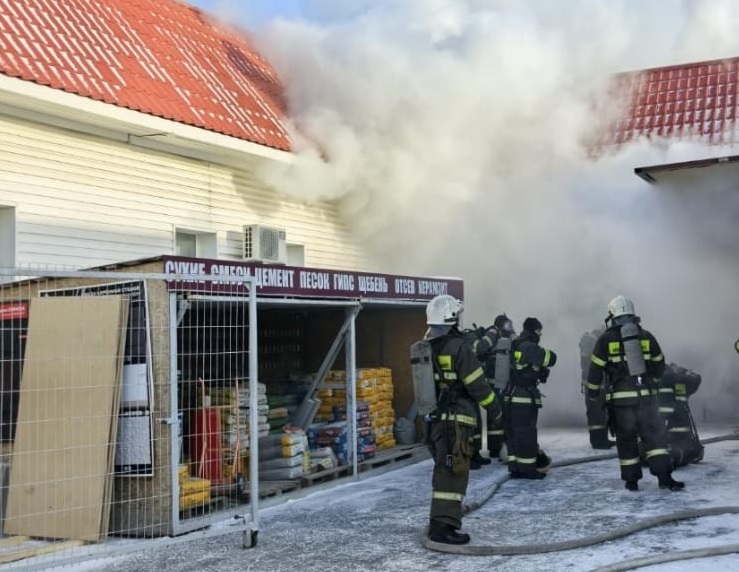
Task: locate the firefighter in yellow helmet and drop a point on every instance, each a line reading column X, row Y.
column 461, row 388
column 632, row 361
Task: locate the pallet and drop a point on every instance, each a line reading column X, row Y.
column 270, row 489
column 21, row 553
column 388, row 457
column 213, row 505
column 325, row 476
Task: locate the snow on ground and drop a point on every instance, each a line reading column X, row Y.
column 376, row 524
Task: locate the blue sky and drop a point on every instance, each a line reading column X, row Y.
column 255, row 11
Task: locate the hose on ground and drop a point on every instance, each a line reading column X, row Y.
column 511, row 550
column 671, row 557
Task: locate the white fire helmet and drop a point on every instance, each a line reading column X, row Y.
column 443, row 310
column 620, row 306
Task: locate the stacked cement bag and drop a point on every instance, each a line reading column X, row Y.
column 375, row 389
column 262, row 409
column 284, row 456
column 228, row 400
column 382, row 413
column 334, row 436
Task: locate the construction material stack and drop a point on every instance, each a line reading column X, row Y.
column 284, row 456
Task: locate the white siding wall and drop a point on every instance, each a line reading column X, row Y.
column 83, row 201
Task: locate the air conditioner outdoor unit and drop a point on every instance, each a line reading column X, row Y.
column 265, row 244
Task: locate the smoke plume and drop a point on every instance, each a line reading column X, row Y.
column 453, row 135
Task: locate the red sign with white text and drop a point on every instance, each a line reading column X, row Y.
column 296, row 281
column 14, row 311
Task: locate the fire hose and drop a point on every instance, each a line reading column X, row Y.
column 511, row 550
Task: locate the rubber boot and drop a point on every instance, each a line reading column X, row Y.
column 477, row 461
column 667, row 482
column 603, row 445
column 446, row 534
column 631, row 486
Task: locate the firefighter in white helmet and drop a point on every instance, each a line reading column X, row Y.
column 460, row 388
column 632, row 361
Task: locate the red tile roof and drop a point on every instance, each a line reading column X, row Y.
column 696, row 101
column 159, row 57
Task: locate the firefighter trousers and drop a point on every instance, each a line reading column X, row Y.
column 597, row 421
column 683, row 437
column 640, row 421
column 496, row 430
column 450, row 477
column 521, row 437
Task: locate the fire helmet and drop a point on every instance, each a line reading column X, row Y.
column 620, row 306
column 443, row 310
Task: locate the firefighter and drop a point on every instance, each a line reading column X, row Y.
column 632, row 361
column 476, row 338
column 493, row 354
column 595, row 409
column 675, row 387
column 461, row 388
column 495, row 357
column 530, row 367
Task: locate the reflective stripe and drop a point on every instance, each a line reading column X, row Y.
column 527, row 400
column 474, row 376
column 439, row 495
column 666, row 409
column 595, row 427
column 655, row 452
column 629, row 462
column 592, row 386
column 679, row 430
column 597, row 361
column 526, row 460
column 496, row 432
column 449, row 375
column 628, row 394
column 488, row 400
column 666, row 390
column 680, row 398
column 660, row 357
column 464, row 419
column 547, row 357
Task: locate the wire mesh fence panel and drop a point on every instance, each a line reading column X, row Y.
column 128, row 406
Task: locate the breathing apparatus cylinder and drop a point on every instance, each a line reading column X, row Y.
column 632, row 349
column 502, row 361
column 422, row 369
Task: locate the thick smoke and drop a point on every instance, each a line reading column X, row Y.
column 453, row 134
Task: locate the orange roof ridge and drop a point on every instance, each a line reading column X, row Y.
column 160, row 57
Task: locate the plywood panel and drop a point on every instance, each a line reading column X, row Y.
column 62, row 459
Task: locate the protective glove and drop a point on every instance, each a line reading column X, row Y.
column 495, row 412
column 544, row 375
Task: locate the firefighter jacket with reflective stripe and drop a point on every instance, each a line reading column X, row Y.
column 529, row 360
column 463, row 386
column 608, row 358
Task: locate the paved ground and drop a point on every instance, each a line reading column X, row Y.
column 375, row 524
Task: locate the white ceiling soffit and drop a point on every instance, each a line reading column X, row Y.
column 651, row 174
column 43, row 104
